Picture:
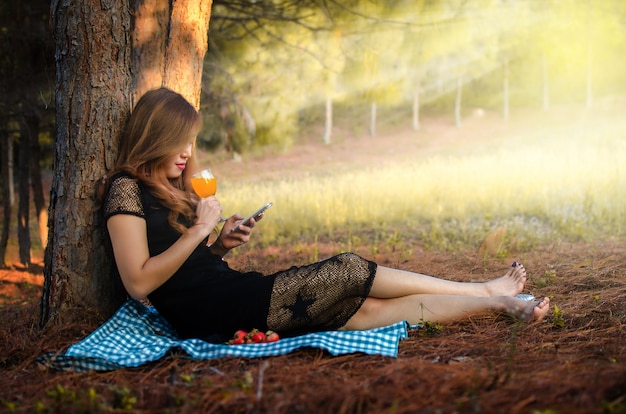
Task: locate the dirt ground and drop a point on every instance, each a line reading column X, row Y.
column 573, row 362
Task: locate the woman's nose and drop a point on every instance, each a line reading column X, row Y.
column 187, row 151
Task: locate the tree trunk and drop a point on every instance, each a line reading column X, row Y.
column 92, row 103
column 416, row 108
column 329, row 120
column 589, row 75
column 505, row 93
column 170, row 53
column 93, row 99
column 6, row 195
column 149, row 41
column 373, row 119
column 457, row 102
column 36, row 183
column 23, row 204
column 11, row 170
column 546, row 89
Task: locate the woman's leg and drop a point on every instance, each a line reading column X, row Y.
column 393, row 283
column 441, row 308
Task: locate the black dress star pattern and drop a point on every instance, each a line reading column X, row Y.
column 300, row 308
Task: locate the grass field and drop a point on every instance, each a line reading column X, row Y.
column 543, row 182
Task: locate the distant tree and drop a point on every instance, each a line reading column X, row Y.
column 505, row 90
column 25, row 67
column 289, row 50
column 5, row 150
column 457, row 102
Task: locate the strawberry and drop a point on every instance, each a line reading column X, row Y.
column 257, row 337
column 271, row 336
column 240, row 334
column 253, row 337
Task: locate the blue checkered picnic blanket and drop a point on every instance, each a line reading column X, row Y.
column 137, row 334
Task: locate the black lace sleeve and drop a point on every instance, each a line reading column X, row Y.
column 124, row 197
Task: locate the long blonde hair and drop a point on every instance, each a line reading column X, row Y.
column 160, row 125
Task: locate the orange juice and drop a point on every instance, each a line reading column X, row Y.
column 204, row 186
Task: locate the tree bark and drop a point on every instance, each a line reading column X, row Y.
column 589, row 75
column 164, row 46
column 6, row 195
column 328, row 128
column 416, row 107
column 373, row 119
column 36, row 183
column 457, row 102
column 23, row 204
column 149, row 41
column 545, row 83
column 169, row 45
column 505, row 91
column 93, row 89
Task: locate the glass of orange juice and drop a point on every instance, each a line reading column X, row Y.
column 204, row 183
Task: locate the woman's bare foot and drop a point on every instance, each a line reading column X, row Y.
column 510, row 284
column 541, row 309
column 528, row 311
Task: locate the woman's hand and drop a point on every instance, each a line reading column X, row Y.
column 208, row 213
column 229, row 239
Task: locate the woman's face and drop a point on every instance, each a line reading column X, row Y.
column 176, row 164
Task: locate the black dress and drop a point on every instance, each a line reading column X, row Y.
column 207, row 299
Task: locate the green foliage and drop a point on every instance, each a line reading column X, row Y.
column 557, row 317
column 382, row 52
column 278, row 133
column 246, row 382
column 430, row 329
column 9, row 405
column 123, row 398
column 61, row 399
column 547, row 279
column 614, row 407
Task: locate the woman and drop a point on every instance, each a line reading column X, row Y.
column 159, row 230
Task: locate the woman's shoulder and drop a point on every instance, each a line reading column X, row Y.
column 123, row 196
column 122, row 178
column 123, row 184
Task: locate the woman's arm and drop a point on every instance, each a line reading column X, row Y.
column 142, row 274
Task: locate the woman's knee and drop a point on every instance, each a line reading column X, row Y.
column 371, row 306
column 363, row 317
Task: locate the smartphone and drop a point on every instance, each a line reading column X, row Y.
column 256, row 215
